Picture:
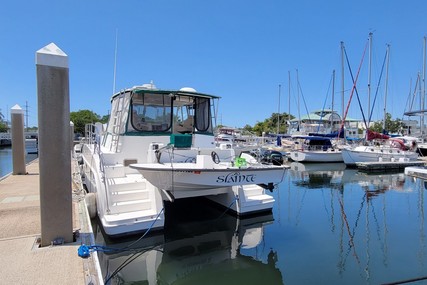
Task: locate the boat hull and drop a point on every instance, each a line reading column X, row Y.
column 187, row 178
column 316, row 156
column 372, row 154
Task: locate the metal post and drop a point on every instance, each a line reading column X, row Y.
column 54, row 145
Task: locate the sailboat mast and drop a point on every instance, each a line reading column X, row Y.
column 278, row 112
column 333, row 90
column 342, row 79
column 289, row 98
column 369, row 77
column 386, row 87
column 419, row 88
column 299, row 114
column 423, row 95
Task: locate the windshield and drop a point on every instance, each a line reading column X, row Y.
column 151, row 112
column 175, row 113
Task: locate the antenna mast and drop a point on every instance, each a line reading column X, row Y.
column 115, row 65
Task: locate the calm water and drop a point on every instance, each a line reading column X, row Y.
column 6, row 166
column 329, row 225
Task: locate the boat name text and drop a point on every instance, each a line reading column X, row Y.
column 236, row 177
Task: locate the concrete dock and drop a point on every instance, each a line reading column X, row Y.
column 22, row 260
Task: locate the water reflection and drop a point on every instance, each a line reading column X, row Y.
column 330, row 225
column 375, row 223
column 335, row 176
column 317, row 175
column 200, row 245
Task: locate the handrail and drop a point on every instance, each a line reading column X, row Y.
column 104, row 180
column 92, row 137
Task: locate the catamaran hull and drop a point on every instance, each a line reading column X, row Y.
column 193, row 179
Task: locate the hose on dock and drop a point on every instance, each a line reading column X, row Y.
column 85, row 250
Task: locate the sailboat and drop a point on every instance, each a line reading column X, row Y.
column 315, row 149
column 379, row 147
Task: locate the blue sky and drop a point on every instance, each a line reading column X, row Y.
column 239, row 50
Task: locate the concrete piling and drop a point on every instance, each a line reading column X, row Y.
column 18, row 140
column 54, row 145
column 71, row 136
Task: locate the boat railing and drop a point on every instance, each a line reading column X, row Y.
column 93, row 137
column 103, row 177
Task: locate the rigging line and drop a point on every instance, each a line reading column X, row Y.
column 303, row 99
column 364, row 198
column 351, row 241
column 294, row 97
column 324, row 104
column 415, row 92
column 353, row 233
column 378, row 86
column 378, row 232
column 354, row 86
column 408, row 100
column 357, row 93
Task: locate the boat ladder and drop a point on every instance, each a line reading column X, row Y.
column 117, row 124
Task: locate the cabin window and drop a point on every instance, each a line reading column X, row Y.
column 151, row 112
column 173, row 112
column 203, row 114
column 183, row 114
column 191, row 114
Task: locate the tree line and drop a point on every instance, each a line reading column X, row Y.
column 269, row 125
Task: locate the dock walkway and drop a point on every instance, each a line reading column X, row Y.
column 22, row 260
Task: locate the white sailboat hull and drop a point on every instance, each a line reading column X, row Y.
column 316, row 156
column 375, row 154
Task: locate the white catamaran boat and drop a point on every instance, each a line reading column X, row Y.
column 159, row 145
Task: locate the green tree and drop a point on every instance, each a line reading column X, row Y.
column 269, row 125
column 3, row 124
column 83, row 117
column 248, row 128
column 391, row 126
column 3, row 127
column 105, row 119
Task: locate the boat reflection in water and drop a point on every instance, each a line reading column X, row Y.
column 317, row 175
column 332, row 225
column 199, row 245
column 360, row 228
column 336, row 175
